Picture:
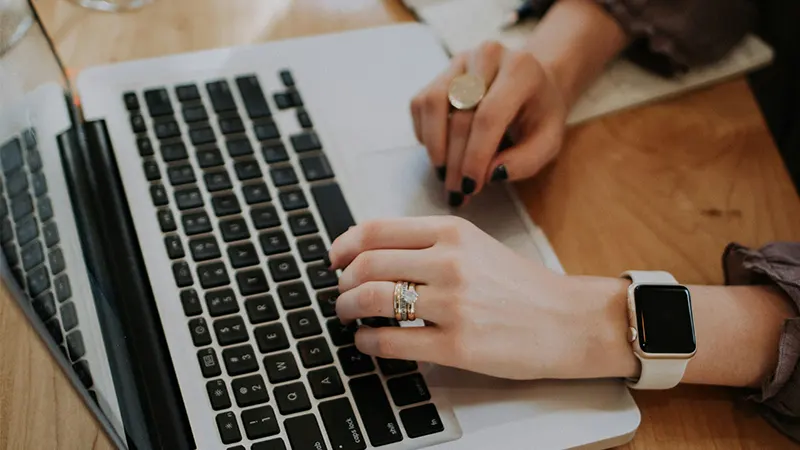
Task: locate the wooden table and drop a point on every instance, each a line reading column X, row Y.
column 665, row 186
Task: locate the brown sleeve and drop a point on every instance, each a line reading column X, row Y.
column 776, row 264
column 672, row 36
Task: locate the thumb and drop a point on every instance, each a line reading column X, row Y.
column 526, row 158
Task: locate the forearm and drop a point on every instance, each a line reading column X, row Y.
column 737, row 330
column 574, row 42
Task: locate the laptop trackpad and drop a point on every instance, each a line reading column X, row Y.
column 401, row 182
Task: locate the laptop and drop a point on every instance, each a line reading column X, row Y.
column 163, row 227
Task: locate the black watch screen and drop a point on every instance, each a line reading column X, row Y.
column 664, row 319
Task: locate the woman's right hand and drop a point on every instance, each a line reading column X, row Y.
column 521, row 99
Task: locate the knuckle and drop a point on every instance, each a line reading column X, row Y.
column 484, row 119
column 491, row 48
column 386, row 346
column 369, row 234
column 366, row 300
column 451, row 268
column 521, row 61
column 361, row 267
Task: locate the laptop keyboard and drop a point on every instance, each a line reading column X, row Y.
column 247, row 252
column 31, row 245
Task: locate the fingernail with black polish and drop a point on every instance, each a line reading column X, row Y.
column 455, row 199
column 468, row 185
column 441, row 171
column 499, row 173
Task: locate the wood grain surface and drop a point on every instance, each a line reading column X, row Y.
column 664, row 186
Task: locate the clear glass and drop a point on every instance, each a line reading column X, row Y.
column 113, row 5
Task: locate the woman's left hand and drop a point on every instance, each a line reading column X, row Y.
column 486, row 308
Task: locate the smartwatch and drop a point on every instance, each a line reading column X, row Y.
column 661, row 330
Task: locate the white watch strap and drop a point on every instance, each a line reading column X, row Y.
column 656, row 373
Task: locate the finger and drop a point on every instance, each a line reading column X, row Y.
column 434, row 110
column 458, row 133
column 376, row 299
column 398, row 233
column 423, row 344
column 388, row 265
column 529, row 156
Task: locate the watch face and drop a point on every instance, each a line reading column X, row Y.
column 664, row 316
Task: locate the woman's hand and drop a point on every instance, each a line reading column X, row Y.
column 486, row 308
column 522, row 98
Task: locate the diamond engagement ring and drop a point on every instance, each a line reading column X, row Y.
column 405, row 298
column 410, row 297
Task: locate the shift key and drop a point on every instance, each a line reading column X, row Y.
column 341, row 424
column 376, row 412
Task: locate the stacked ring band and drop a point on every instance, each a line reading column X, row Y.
column 405, row 298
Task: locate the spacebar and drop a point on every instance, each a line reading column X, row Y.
column 333, row 209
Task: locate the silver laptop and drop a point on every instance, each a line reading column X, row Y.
column 163, row 227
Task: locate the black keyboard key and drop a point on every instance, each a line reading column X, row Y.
column 174, row 152
column 321, row 277
column 311, row 249
column 38, row 281
column 138, row 124
column 210, row 157
column 228, row 428
column 283, row 268
column 196, row 223
column 56, row 260
column 144, row 146
column 166, row 130
column 281, row 367
column 187, row 92
column 283, row 100
column 54, row 328
column 292, row 398
column 256, row 193
column 50, row 232
column 305, row 142
column 342, row 425
column 327, row 302
column 354, row 362
column 314, row 352
column 261, row 309
column 7, row 231
column 182, row 274
column 325, row 382
column 293, row 295
column 265, row 217
column 272, row 444
column 294, row 96
column 304, row 323
column 253, row 97
column 151, row 171
column 209, row 364
column 62, row 288
column 231, row 125
column 252, row 281
column 75, row 345
column 221, row 302
column 217, row 181
column 45, row 207
column 302, row 224
column 166, row 220
column 158, row 103
column 44, row 306
column 218, row 395
column 11, row 156
column 340, row 333
column 408, row 389
column 271, row 338
column 286, row 78
column 188, row 198
column 27, row 230
column 249, row 390
column 396, row 366
column 260, row 422
column 225, row 205
column 274, row 152
column 293, row 199
column 22, row 205
column 238, row 146
column 234, row 230
column 304, row 119
column 239, row 360
column 247, row 169
column 39, row 183
column 34, row 160
column 333, row 209
column 32, row 255
column 283, row 176
column 266, row 131
column 16, row 183
column 201, row 136
column 81, row 369
column 421, row 420
column 274, row 242
column 213, row 275
column 303, row 432
column 191, row 303
column 69, row 316
column 376, row 412
column 182, row 174
column 220, row 94
column 131, row 101
column 204, row 248
column 199, row 331
column 242, row 255
column 194, row 114
column 230, row 330
column 316, row 167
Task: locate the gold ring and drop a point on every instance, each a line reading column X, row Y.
column 466, row 91
column 410, row 299
column 400, row 312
